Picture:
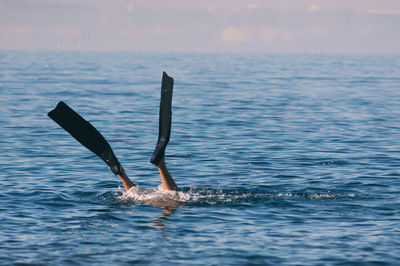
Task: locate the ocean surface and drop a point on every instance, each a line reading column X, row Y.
column 280, row 159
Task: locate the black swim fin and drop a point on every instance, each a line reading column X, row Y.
column 164, row 130
column 86, row 134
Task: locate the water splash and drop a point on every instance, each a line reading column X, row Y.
column 189, row 196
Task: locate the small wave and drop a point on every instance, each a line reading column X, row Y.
column 192, row 195
column 323, row 195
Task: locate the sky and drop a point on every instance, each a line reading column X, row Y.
column 277, row 26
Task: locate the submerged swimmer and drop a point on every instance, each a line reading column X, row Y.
column 90, row 137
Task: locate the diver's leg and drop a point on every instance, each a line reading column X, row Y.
column 167, row 181
column 164, row 132
column 128, row 184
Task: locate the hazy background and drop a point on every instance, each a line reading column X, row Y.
column 295, row 26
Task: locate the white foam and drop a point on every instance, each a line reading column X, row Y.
column 156, row 196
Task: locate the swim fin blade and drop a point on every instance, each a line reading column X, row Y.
column 86, row 134
column 164, row 130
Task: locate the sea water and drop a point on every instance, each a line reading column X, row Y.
column 280, row 159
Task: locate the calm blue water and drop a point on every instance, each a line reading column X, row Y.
column 281, row 159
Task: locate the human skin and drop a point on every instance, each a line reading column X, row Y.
column 128, row 184
column 167, row 181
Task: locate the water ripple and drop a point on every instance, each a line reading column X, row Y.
column 281, row 159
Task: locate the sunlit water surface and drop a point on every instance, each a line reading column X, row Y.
column 281, row 159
